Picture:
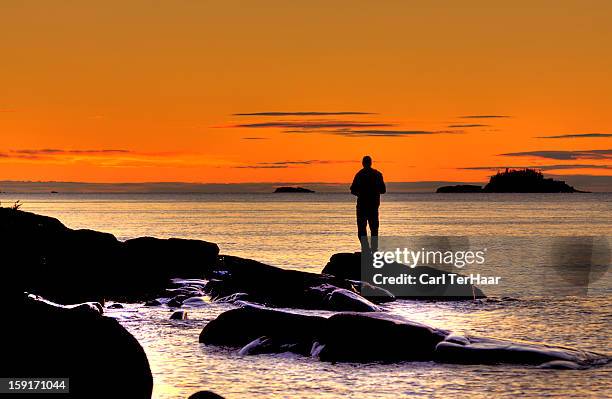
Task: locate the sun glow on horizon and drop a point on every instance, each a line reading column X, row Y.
column 299, row 93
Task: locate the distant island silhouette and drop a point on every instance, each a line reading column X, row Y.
column 289, row 189
column 515, row 181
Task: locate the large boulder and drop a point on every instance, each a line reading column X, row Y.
column 349, row 266
column 242, row 326
column 343, row 337
column 278, row 287
column 45, row 257
column 188, row 259
column 482, row 350
column 101, row 358
column 358, row 337
column 344, row 265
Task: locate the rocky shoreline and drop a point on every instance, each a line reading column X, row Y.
column 48, row 260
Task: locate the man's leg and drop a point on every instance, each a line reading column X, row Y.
column 362, row 232
column 373, row 222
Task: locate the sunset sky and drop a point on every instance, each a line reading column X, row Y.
column 284, row 91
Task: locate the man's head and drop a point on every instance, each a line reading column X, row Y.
column 366, row 161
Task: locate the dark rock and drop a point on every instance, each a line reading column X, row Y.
column 344, row 265
column 205, row 395
column 375, row 294
column 153, row 302
column 358, row 337
column 263, row 345
column 258, row 346
column 292, row 190
column 176, row 258
column 87, row 307
column 341, row 299
column 274, row 286
column 460, row 188
column 330, row 297
column 219, row 289
column 115, row 306
column 480, row 350
column 195, row 302
column 179, row 315
column 177, row 301
column 186, row 282
column 239, row 296
column 46, row 339
column 349, row 336
column 372, row 337
column 348, row 266
column 187, row 291
column 68, row 266
column 239, row 327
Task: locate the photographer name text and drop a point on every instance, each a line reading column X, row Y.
column 426, row 279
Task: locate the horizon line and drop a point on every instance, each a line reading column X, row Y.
column 596, row 183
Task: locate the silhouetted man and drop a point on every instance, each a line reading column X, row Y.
column 368, row 185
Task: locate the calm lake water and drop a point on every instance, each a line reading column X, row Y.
column 302, row 232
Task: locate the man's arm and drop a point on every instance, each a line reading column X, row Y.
column 381, row 184
column 355, row 185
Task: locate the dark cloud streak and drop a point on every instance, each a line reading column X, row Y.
column 470, row 125
column 346, row 128
column 48, row 153
column 577, row 136
column 379, row 133
column 304, row 113
column 563, row 155
column 288, row 164
column 261, row 167
column 541, row 167
column 54, row 151
column 310, row 125
column 483, row 116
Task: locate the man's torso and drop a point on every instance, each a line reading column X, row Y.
column 368, row 196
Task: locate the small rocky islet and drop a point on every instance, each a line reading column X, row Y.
column 293, row 190
column 46, row 261
column 525, row 180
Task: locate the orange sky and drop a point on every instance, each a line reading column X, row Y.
column 147, row 91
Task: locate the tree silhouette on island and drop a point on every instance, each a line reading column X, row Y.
column 515, row 181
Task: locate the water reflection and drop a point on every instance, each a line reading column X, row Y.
column 181, row 365
column 289, row 233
